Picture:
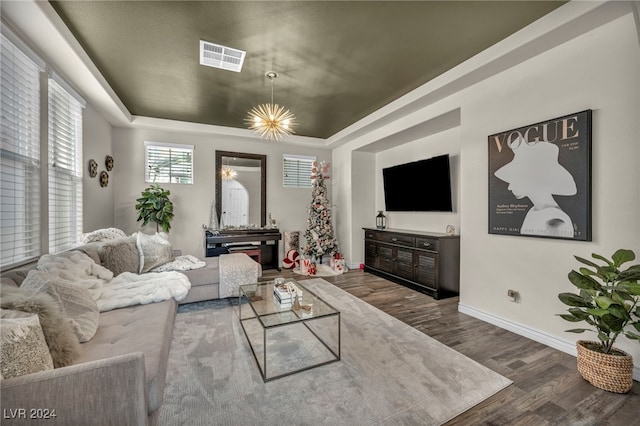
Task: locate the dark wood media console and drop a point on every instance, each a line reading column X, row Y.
column 428, row 262
column 229, row 240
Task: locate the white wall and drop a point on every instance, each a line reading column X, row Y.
column 598, row 70
column 192, row 203
column 98, row 201
column 582, row 56
column 363, row 175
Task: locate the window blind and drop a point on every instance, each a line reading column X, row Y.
column 19, row 155
column 168, row 163
column 65, row 168
column 297, row 171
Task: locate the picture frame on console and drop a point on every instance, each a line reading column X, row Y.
column 540, row 179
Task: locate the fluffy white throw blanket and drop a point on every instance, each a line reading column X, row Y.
column 181, row 263
column 129, row 289
column 105, row 234
column 77, row 267
column 126, row 289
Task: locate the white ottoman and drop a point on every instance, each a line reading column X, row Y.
column 237, row 269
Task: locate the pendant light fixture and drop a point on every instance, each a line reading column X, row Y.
column 271, row 121
column 228, row 173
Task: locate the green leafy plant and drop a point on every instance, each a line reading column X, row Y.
column 155, row 206
column 608, row 298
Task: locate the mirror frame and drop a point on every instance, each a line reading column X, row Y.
column 263, row 181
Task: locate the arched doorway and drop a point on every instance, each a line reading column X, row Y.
column 236, row 204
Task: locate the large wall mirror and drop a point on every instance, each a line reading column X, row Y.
column 241, row 189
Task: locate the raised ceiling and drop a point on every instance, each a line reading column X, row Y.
column 338, row 61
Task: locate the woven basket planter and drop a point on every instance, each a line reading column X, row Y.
column 613, row 373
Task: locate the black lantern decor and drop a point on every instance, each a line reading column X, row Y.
column 380, row 220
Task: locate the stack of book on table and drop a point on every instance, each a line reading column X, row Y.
column 283, row 294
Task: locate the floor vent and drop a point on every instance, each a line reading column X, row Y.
column 217, row 56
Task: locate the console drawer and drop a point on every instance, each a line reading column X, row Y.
column 370, row 235
column 400, row 239
column 427, row 243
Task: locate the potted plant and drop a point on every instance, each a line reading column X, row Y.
column 609, row 301
column 155, row 206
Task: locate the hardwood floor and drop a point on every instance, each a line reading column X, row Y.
column 547, row 388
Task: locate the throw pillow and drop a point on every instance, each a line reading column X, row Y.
column 23, row 349
column 92, row 250
column 62, row 341
column 155, row 251
column 17, row 275
column 120, row 256
column 76, row 301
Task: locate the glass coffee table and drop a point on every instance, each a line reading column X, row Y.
column 287, row 338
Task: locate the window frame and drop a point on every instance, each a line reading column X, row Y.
column 295, row 182
column 168, row 179
column 65, row 171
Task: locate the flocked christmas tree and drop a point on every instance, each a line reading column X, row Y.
column 320, row 238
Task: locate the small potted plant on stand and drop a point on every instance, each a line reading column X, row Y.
column 609, row 301
column 155, row 206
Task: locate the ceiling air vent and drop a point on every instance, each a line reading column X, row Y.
column 217, row 56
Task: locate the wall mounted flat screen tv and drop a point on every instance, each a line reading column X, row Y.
column 420, row 186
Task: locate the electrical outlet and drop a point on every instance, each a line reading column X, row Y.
column 512, row 295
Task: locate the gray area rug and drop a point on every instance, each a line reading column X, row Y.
column 389, row 373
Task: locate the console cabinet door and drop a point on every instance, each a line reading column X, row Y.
column 386, row 258
column 371, row 254
column 404, row 263
column 427, row 269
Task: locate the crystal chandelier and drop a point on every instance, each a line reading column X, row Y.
column 271, row 121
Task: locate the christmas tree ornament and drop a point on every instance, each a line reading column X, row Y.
column 291, row 259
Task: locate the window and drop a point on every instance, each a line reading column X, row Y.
column 65, row 167
column 168, row 163
column 19, row 153
column 297, row 171
column 26, row 185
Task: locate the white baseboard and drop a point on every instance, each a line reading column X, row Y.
column 530, row 333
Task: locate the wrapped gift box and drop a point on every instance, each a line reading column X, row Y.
column 307, row 267
column 337, row 263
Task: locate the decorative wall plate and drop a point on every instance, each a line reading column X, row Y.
column 93, row 168
column 104, row 179
column 108, row 162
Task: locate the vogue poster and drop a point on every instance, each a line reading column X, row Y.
column 540, row 179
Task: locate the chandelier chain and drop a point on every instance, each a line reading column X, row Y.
column 271, row 80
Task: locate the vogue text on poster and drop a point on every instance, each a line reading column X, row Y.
column 540, row 179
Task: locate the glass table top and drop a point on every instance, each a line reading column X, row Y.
column 272, row 313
